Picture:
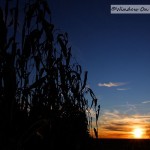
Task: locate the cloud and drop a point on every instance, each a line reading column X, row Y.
column 119, row 121
column 115, row 123
column 111, row 84
column 122, row 89
column 114, row 127
column 145, row 102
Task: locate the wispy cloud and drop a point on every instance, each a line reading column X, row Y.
column 114, row 124
column 122, row 89
column 111, row 84
column 119, row 121
column 145, row 102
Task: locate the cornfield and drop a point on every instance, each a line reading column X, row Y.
column 42, row 88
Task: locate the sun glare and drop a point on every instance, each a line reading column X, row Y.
column 137, row 132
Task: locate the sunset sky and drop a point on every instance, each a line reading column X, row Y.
column 115, row 50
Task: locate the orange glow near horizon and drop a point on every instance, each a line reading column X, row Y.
column 135, row 133
column 126, row 133
column 122, row 126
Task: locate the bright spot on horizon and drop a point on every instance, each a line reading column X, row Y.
column 137, row 132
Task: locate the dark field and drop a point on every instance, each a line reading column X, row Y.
column 122, row 144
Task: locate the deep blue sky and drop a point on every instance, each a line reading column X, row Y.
column 113, row 48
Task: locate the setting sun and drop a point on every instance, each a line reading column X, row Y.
column 137, row 132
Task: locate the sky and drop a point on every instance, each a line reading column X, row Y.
column 115, row 50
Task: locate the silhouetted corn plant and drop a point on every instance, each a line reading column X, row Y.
column 41, row 89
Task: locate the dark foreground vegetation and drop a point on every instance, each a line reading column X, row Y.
column 43, row 103
column 121, row 144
